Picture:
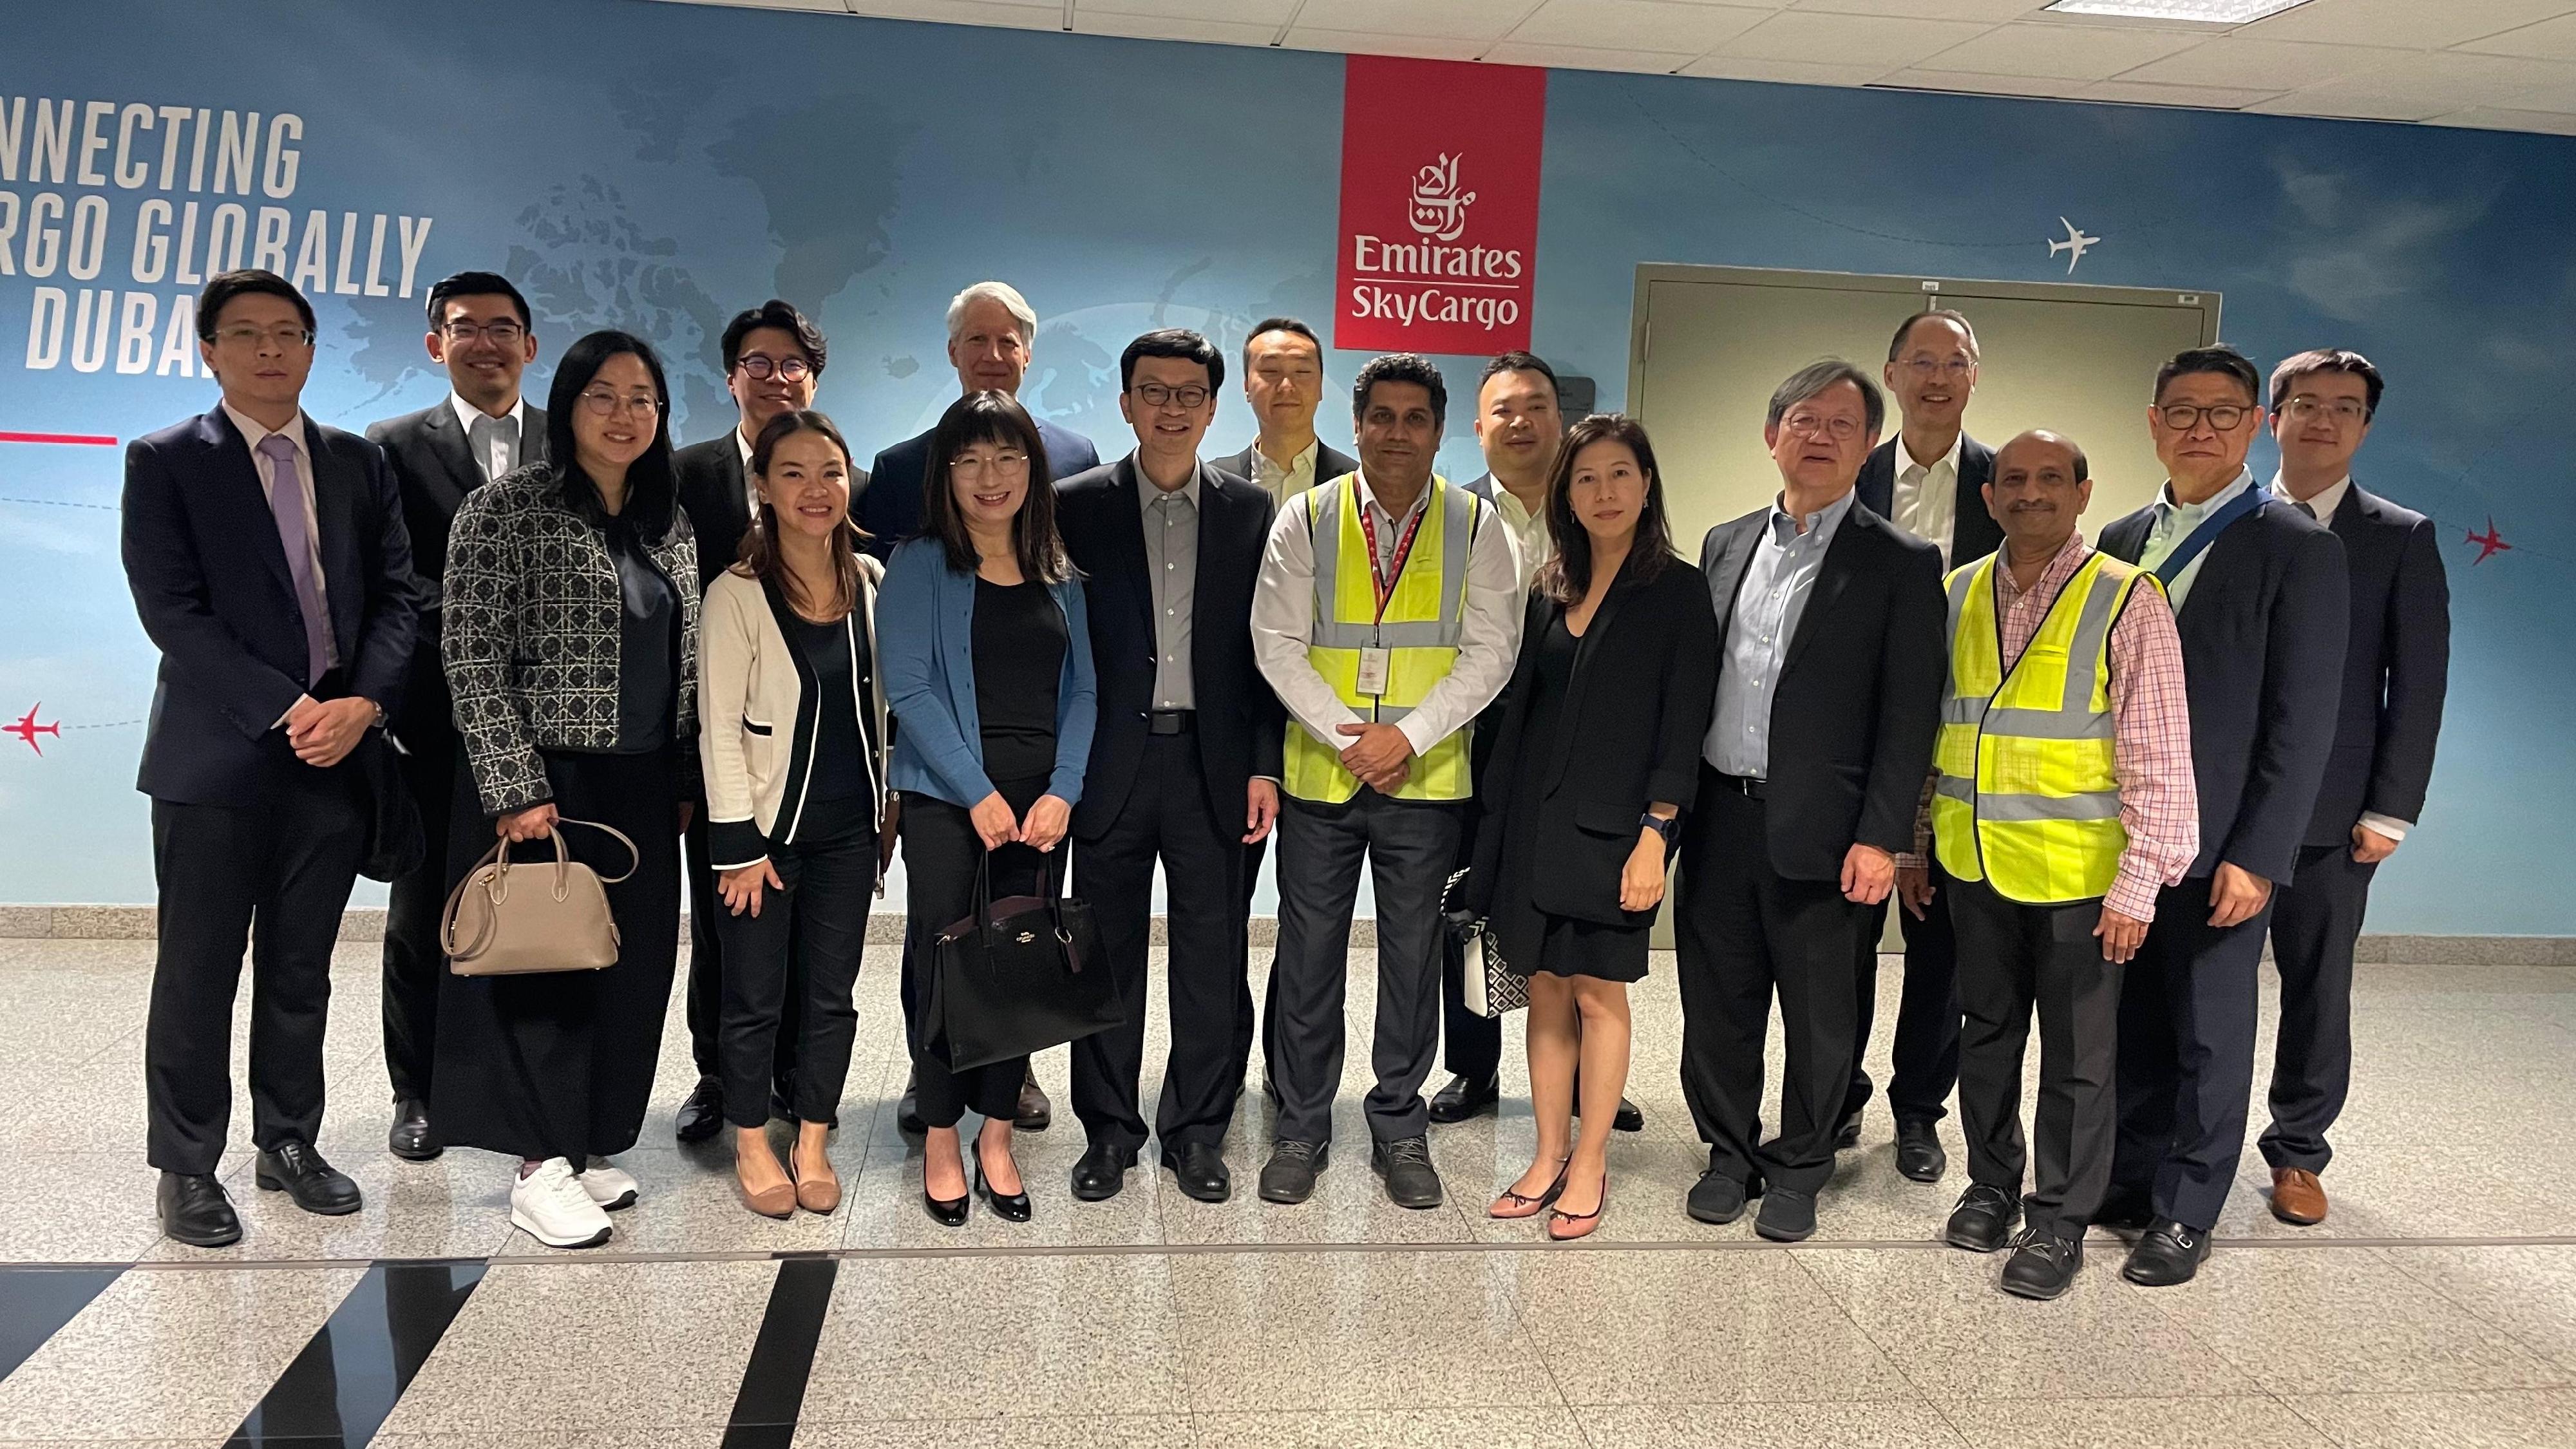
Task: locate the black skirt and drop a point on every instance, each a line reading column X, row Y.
column 1533, row 940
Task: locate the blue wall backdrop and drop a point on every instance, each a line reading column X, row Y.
column 661, row 166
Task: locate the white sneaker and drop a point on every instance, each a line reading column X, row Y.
column 550, row 1206
column 609, row 1185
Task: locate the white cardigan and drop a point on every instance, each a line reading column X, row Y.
column 757, row 729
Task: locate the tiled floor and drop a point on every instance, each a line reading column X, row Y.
column 2437, row 1306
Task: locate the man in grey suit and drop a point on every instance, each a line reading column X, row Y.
column 480, row 332
column 2396, row 668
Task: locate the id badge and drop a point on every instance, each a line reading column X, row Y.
column 1373, row 669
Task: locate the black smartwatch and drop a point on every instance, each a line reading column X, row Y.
column 1668, row 829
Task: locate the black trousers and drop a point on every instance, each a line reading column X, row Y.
column 1926, row 1046
column 2187, row 1056
column 414, row 963
column 803, row 947
column 2315, row 922
column 2013, row 957
column 283, row 867
column 1745, row 932
column 1168, row 817
column 940, row 853
column 706, row 998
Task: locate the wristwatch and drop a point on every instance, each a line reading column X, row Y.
column 1668, row 829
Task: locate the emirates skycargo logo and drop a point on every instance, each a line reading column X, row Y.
column 1390, row 272
column 1439, row 207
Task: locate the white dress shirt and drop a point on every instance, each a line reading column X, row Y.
column 1283, row 484
column 2173, row 526
column 750, row 485
column 1532, row 544
column 502, row 458
column 1283, row 615
column 2322, row 508
column 1925, row 500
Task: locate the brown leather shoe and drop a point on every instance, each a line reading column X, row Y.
column 2297, row 1197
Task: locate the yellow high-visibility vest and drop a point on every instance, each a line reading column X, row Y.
column 1419, row 630
column 2026, row 800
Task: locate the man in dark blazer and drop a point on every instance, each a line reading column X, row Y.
column 480, row 332
column 1928, row 480
column 2259, row 591
column 773, row 360
column 2396, row 668
column 1184, row 767
column 1828, row 695
column 270, row 567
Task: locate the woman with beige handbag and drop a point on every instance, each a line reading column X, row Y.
column 571, row 652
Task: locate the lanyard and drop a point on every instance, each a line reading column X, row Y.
column 1384, row 579
column 2206, row 534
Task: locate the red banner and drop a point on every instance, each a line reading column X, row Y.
column 1439, row 233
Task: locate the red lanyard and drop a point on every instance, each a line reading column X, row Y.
column 1387, row 580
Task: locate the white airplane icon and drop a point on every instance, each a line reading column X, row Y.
column 2076, row 241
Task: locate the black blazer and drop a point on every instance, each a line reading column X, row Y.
column 2263, row 631
column 1628, row 734
column 211, row 585
column 2396, row 667
column 1330, row 463
column 1859, row 696
column 1239, row 719
column 890, row 507
column 1975, row 533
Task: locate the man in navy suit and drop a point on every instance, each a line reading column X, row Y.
column 2395, row 671
column 2259, row 591
column 270, row 566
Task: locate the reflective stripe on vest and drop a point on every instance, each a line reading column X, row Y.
column 2026, row 799
column 1423, row 620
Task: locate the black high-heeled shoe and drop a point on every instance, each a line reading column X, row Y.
column 1014, row 1208
column 947, row 1212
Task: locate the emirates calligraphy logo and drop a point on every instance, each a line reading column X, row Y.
column 1439, row 207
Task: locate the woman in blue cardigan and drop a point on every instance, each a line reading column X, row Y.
column 988, row 673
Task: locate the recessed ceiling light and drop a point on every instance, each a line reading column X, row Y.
column 2204, row 12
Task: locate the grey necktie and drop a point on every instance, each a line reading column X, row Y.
column 485, row 431
column 286, row 503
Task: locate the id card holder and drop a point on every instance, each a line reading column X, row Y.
column 1373, row 670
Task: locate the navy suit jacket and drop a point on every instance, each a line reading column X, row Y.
column 211, row 586
column 890, row 509
column 2395, row 669
column 1975, row 533
column 2263, row 631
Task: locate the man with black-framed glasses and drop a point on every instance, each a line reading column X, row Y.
column 2260, row 595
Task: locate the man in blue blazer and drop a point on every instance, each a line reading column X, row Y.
column 270, row 565
column 2395, row 672
column 2259, row 591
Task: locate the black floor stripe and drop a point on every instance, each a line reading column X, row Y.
column 773, row 1383
column 344, row 1383
column 36, row 1302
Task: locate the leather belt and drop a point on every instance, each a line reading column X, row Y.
column 1742, row 784
column 1170, row 721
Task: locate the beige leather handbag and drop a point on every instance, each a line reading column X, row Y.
column 542, row 920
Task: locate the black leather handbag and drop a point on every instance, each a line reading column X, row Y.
column 1021, row 974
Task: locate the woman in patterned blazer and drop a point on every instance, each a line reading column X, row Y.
column 571, row 653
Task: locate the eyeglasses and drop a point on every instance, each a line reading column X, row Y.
column 500, row 334
column 1008, row 465
column 1956, row 369
column 609, row 404
column 759, row 367
column 1155, row 395
column 2341, row 409
column 1808, row 425
column 286, row 336
column 2183, row 417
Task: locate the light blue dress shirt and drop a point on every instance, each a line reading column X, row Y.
column 2174, row 523
column 1773, row 595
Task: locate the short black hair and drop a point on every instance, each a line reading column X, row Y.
column 1280, row 324
column 1518, row 362
column 784, row 317
column 2329, row 359
column 1905, row 329
column 1179, row 342
column 1410, row 367
column 2222, row 359
column 476, row 284
column 223, row 287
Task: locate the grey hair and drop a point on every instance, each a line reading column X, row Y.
column 1815, row 378
column 1003, row 292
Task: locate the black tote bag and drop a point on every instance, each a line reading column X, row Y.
column 1019, row 975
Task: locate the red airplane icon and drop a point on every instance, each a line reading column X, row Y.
column 27, row 729
column 2489, row 544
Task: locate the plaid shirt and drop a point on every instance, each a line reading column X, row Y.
column 2151, row 746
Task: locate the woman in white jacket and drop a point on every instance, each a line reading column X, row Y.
column 794, row 747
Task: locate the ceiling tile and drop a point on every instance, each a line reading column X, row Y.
column 2208, row 98
column 1088, row 21
column 2023, row 86
column 1584, row 57
column 1987, row 10
column 2417, row 24
column 2495, row 120
column 2272, row 65
column 1848, row 39
column 1273, row 13
column 1466, row 20
column 1792, row 72
column 1364, row 42
column 967, row 12
column 1655, row 25
column 2063, row 51
column 2549, row 40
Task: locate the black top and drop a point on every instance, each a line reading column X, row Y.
column 840, row 769
column 1019, row 656
column 648, row 656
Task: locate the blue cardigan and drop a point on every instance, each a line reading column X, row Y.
column 926, row 644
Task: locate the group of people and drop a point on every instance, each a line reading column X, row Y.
column 2092, row 778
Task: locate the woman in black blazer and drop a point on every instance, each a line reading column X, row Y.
column 1596, row 757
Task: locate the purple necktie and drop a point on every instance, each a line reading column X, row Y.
column 286, row 501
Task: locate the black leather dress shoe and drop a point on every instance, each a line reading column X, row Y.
column 2169, row 1254
column 410, row 1139
column 195, row 1211
column 1289, row 1175
column 1918, row 1150
column 1036, row 1113
column 948, row 1212
column 1629, row 1118
column 1715, row 1198
column 2043, row 1265
column 907, row 1109
column 297, row 1170
column 1787, row 1216
column 1102, row 1171
column 701, row 1113
column 1465, row 1097
column 1200, row 1170
column 1847, row 1132
column 1013, row 1207
column 1983, row 1221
